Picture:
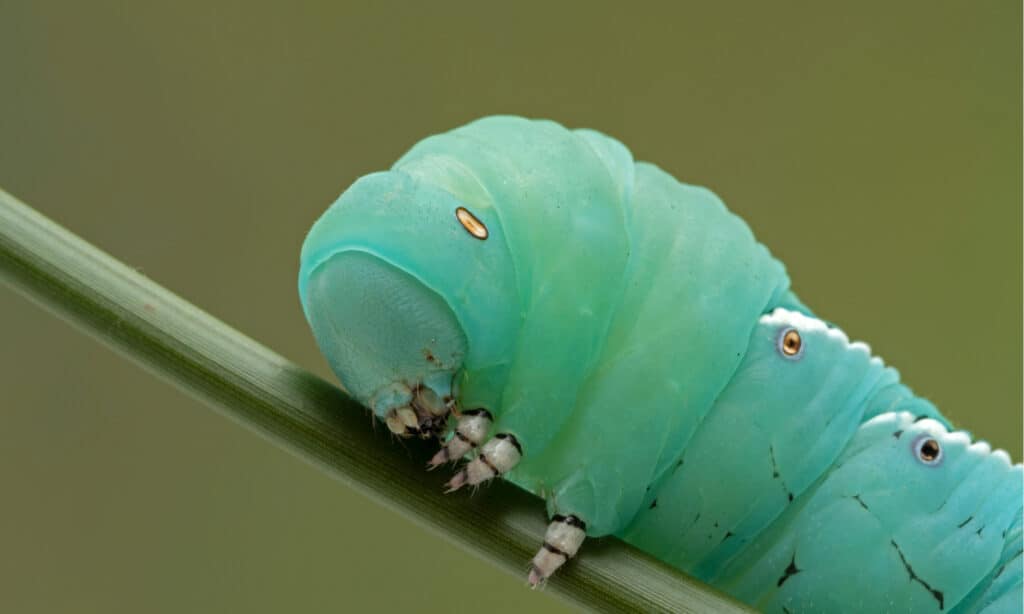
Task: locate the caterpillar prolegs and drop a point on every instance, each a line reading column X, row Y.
column 617, row 342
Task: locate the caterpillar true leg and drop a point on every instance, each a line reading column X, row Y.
column 470, row 431
column 421, row 410
column 562, row 541
column 394, row 402
column 433, row 401
column 499, row 455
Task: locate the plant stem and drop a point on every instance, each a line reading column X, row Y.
column 312, row 418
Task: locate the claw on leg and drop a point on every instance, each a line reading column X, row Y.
column 402, row 422
column 421, row 410
column 432, row 411
column 470, row 432
column 562, row 541
column 498, row 456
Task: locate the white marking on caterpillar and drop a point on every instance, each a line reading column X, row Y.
column 470, row 432
column 562, row 541
column 498, row 456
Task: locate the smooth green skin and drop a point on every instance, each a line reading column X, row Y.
column 630, row 292
column 697, row 283
column 833, row 538
column 615, row 320
column 1001, row 591
column 776, row 428
column 559, row 199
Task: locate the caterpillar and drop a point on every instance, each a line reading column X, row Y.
column 617, row 342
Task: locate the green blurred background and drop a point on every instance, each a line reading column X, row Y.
column 875, row 147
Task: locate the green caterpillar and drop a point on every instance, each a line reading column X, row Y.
column 618, row 343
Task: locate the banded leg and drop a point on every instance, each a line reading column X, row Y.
column 498, row 456
column 470, row 431
column 562, row 541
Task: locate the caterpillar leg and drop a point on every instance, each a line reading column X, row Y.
column 470, row 431
column 562, row 541
column 421, row 410
column 499, row 455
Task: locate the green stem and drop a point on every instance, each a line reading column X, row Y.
column 312, row 418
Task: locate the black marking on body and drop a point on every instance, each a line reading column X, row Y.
column 777, row 475
column 483, row 459
column 861, row 501
column 464, row 439
column 790, row 571
column 556, row 550
column 728, row 534
column 897, row 434
column 786, row 610
column 478, row 412
column 511, row 439
column 572, row 521
column 920, row 418
column 964, row 523
column 937, row 594
column 978, row 532
column 653, row 505
column 679, row 464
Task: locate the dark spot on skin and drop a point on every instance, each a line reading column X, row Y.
column 897, row 434
column 786, row 610
column 790, row 571
column 648, row 489
column 920, row 418
column 478, row 412
column 653, row 504
column 553, row 550
column 716, row 525
column 494, row 470
column 861, row 501
column 937, row 594
column 978, row 532
column 777, row 475
column 512, row 440
column 775, row 469
column 572, row 521
column 429, row 355
column 728, row 534
column 964, row 523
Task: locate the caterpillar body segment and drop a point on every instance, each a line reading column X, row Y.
column 617, row 342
